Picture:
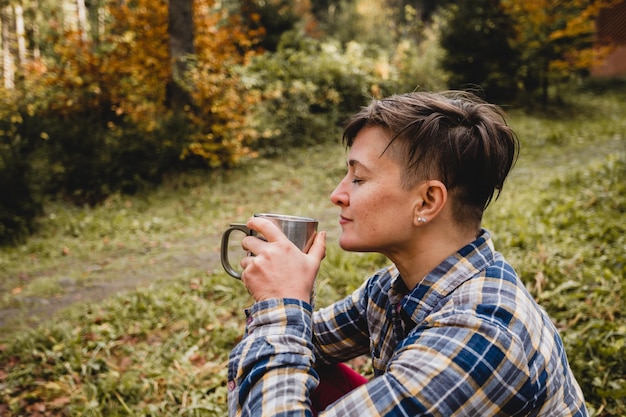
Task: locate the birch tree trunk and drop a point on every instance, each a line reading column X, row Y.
column 36, row 35
column 83, row 26
column 20, row 33
column 70, row 15
column 8, row 61
column 101, row 23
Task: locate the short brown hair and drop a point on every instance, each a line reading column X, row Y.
column 453, row 136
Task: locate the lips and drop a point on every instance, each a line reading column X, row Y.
column 344, row 220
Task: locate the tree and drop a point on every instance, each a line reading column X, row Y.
column 19, row 33
column 81, row 15
column 276, row 17
column 555, row 39
column 8, row 61
column 223, row 42
column 181, row 48
column 476, row 39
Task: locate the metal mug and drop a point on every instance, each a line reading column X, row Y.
column 299, row 230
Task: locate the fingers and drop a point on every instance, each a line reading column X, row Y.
column 265, row 227
column 271, row 233
column 268, row 230
column 255, row 245
column 318, row 249
column 270, row 272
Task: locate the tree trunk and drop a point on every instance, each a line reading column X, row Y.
column 82, row 19
column 101, row 23
column 8, row 61
column 545, row 82
column 70, row 15
column 20, row 33
column 36, row 34
column 181, row 39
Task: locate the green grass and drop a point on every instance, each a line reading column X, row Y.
column 123, row 309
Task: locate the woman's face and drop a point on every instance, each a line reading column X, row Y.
column 376, row 212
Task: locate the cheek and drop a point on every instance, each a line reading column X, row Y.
column 376, row 210
column 394, row 209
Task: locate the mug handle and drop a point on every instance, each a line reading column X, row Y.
column 224, row 249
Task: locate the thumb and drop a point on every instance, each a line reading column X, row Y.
column 318, row 249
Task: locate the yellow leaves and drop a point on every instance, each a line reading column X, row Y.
column 123, row 73
column 560, row 30
column 583, row 24
column 222, row 100
column 16, row 118
column 575, row 60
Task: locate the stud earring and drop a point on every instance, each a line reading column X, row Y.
column 421, row 220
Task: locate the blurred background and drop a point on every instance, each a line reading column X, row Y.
column 109, row 96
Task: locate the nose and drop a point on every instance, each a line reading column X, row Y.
column 339, row 196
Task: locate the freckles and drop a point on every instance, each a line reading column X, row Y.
column 372, row 210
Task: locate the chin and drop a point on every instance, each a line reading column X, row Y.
column 346, row 245
column 352, row 246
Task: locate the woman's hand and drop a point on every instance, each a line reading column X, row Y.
column 278, row 268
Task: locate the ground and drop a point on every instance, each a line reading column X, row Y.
column 111, row 275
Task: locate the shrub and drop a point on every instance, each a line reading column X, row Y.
column 478, row 51
column 307, row 88
column 90, row 161
column 21, row 199
column 417, row 64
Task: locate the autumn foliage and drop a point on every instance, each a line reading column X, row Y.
column 556, row 38
column 91, row 113
column 123, row 75
column 221, row 101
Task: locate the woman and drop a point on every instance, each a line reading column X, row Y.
column 449, row 326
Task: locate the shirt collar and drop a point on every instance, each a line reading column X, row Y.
column 444, row 279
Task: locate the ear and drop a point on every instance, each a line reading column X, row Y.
column 433, row 196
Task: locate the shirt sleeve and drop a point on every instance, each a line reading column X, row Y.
column 340, row 330
column 270, row 372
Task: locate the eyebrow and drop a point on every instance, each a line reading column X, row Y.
column 357, row 164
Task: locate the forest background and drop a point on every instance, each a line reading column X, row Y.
column 109, row 96
column 106, row 100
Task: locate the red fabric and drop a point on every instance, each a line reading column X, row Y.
column 335, row 382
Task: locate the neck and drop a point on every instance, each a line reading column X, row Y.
column 433, row 244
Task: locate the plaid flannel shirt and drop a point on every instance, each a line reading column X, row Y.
column 469, row 340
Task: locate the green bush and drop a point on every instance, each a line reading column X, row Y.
column 478, row 52
column 89, row 161
column 20, row 204
column 20, row 186
column 307, row 88
column 417, row 64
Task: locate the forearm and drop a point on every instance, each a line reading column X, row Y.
column 270, row 371
column 340, row 331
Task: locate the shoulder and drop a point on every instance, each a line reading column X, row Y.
column 496, row 301
column 380, row 283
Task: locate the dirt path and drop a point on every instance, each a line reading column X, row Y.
column 110, row 275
